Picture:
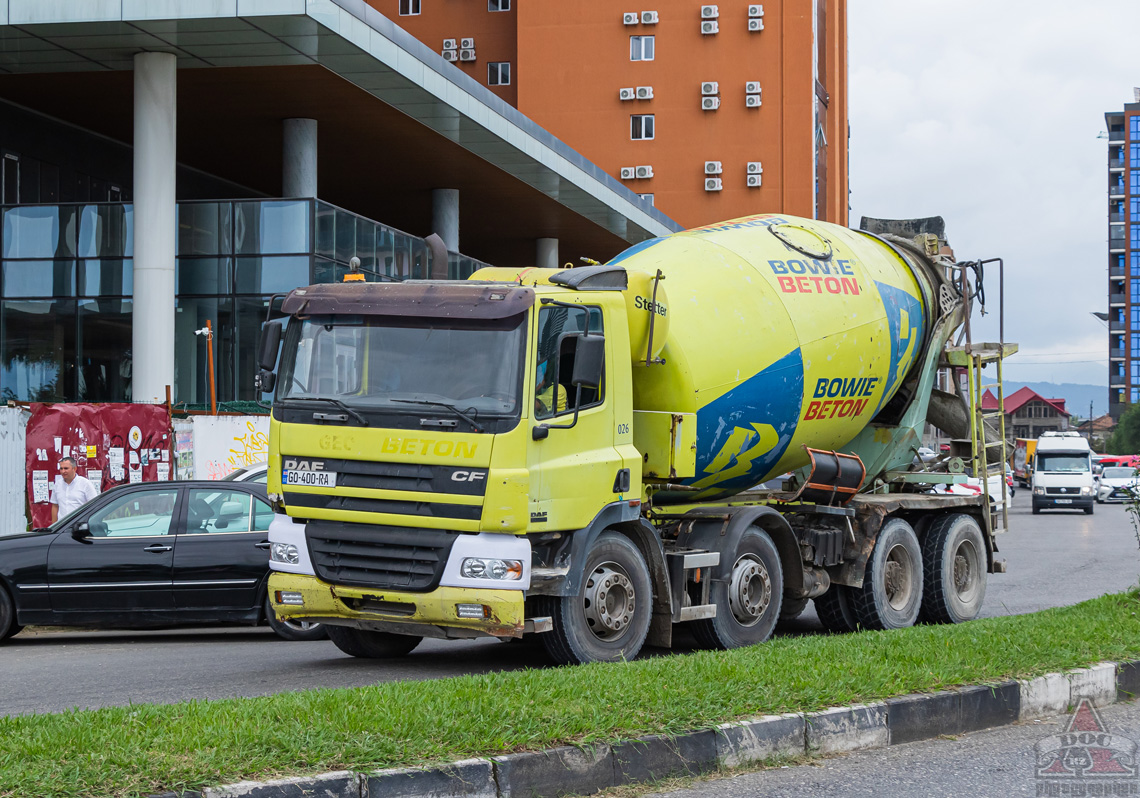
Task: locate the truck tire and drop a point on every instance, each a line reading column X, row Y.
column 748, row 603
column 371, row 645
column 791, row 609
column 293, row 630
column 609, row 619
column 891, row 596
column 835, row 611
column 954, row 570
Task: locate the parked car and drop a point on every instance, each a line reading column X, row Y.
column 973, row 486
column 1115, row 484
column 155, row 554
column 258, row 472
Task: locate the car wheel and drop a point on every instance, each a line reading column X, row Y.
column 371, row 645
column 288, row 629
column 1090, row 510
column 8, row 626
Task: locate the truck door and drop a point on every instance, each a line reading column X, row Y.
column 573, row 469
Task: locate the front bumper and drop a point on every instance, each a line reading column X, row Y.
column 432, row 614
column 1062, row 502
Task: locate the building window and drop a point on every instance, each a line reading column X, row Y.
column 498, row 5
column 1135, row 264
column 409, row 8
column 1135, row 236
column 1135, row 290
column 1134, row 176
column 640, row 48
column 641, row 127
column 1135, row 345
column 1134, row 156
column 1135, row 209
column 1134, row 123
column 499, row 73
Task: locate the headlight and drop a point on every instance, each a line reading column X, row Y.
column 1086, row 491
column 1039, row 491
column 478, row 568
column 284, row 552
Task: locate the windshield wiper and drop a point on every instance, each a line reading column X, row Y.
column 463, row 415
column 334, row 402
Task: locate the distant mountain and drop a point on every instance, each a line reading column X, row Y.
column 1076, row 396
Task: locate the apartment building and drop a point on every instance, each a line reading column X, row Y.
column 1123, row 257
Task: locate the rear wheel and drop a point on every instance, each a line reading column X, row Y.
column 288, row 629
column 371, row 645
column 954, row 569
column 792, row 608
column 891, row 595
column 835, row 610
column 748, row 603
column 8, row 625
column 609, row 618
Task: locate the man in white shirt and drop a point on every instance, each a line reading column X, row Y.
column 71, row 491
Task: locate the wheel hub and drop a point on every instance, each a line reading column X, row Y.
column 966, row 576
column 897, row 577
column 750, row 590
column 609, row 601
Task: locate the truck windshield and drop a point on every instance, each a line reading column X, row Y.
column 371, row 362
column 1060, row 463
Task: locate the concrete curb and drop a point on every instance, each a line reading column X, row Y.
column 570, row 770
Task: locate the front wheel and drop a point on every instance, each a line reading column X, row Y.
column 954, row 568
column 608, row 620
column 288, row 629
column 371, row 645
column 891, row 595
column 1090, row 510
column 748, row 602
column 8, row 625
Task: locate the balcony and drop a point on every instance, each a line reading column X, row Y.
column 1117, row 190
column 1117, row 326
column 1116, row 354
column 1116, row 272
column 1116, row 217
column 1115, row 163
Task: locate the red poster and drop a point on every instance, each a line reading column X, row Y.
column 112, row 444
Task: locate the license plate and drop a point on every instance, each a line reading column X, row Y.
column 1064, row 501
column 309, row 479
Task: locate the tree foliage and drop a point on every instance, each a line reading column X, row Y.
column 1126, row 438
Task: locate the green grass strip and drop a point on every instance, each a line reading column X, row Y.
column 149, row 748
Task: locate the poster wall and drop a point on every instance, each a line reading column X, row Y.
column 112, row 444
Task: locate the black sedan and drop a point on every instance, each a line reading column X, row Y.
column 147, row 555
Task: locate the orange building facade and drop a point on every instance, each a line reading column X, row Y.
column 687, row 70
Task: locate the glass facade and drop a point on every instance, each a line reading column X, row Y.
column 66, row 289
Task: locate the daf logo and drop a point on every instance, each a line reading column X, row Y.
column 467, row 476
column 304, row 465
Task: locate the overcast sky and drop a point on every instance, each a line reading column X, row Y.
column 988, row 114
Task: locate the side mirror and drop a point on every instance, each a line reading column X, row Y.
column 81, row 531
column 270, row 341
column 589, row 361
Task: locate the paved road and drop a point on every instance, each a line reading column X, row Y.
column 990, row 764
column 1054, row 559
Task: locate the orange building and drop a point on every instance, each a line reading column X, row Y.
column 736, row 108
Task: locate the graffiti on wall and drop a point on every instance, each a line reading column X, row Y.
column 223, row 444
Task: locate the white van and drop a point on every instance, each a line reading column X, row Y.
column 1062, row 473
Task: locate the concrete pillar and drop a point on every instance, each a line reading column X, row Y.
column 152, row 319
column 299, row 164
column 445, row 216
column 546, row 253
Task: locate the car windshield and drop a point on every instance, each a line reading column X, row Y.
column 1060, row 463
column 1118, row 473
column 394, row 363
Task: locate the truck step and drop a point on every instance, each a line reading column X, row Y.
column 536, row 625
column 698, row 612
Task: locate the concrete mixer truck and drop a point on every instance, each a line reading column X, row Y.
column 581, row 454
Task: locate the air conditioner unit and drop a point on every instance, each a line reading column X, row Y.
column 627, row 94
column 756, row 10
column 644, row 171
column 645, row 92
column 710, row 87
column 467, row 44
column 449, row 44
column 752, row 101
column 629, row 18
column 710, row 103
column 755, row 181
column 709, row 12
column 710, row 26
column 712, row 184
column 649, row 17
column 450, row 55
column 755, row 168
column 752, row 87
column 755, row 25
column 712, row 167
column 466, row 55
column 627, row 173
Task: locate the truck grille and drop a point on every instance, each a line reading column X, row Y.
column 385, row 557
column 1062, row 491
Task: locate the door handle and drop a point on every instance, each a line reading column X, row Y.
column 265, row 544
column 157, row 548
